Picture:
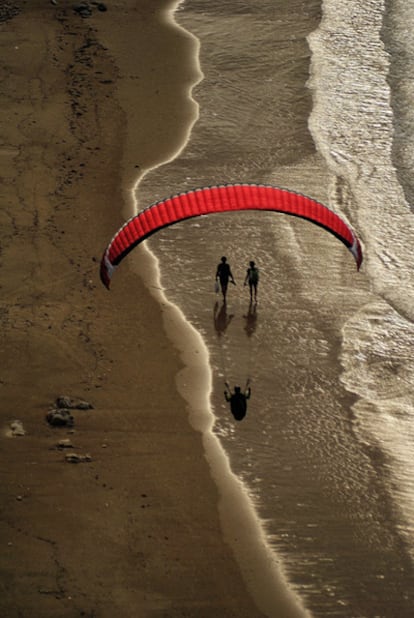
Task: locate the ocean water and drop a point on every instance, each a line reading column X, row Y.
column 317, row 98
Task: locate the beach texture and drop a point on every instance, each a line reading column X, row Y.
column 133, row 528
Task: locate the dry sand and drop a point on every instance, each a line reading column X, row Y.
column 135, row 531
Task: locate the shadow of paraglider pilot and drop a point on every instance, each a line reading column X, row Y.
column 238, row 400
column 221, row 318
column 251, row 319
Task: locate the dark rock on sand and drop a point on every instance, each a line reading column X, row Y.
column 65, row 443
column 8, row 10
column 75, row 458
column 83, row 9
column 70, row 403
column 60, row 418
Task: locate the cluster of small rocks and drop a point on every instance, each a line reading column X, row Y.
column 65, row 444
column 61, row 415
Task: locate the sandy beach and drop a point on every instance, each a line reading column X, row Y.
column 149, row 500
column 133, row 530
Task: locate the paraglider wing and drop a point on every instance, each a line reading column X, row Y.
column 222, row 199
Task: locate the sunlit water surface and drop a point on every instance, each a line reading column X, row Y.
column 326, row 451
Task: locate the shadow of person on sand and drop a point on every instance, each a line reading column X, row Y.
column 221, row 318
column 251, row 319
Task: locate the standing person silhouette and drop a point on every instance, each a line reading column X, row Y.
column 252, row 278
column 224, row 274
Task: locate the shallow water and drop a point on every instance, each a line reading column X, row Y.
column 325, row 450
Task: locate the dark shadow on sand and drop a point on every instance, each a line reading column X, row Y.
column 251, row 319
column 221, row 318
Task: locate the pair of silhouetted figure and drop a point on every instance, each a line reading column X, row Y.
column 224, row 275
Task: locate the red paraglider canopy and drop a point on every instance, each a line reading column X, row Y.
column 222, row 199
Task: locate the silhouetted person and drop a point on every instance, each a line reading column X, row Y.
column 224, row 274
column 238, row 401
column 252, row 278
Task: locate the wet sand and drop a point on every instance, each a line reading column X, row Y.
column 135, row 531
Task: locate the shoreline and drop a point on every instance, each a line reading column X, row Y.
column 241, row 525
column 115, row 534
column 265, row 581
column 200, row 163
